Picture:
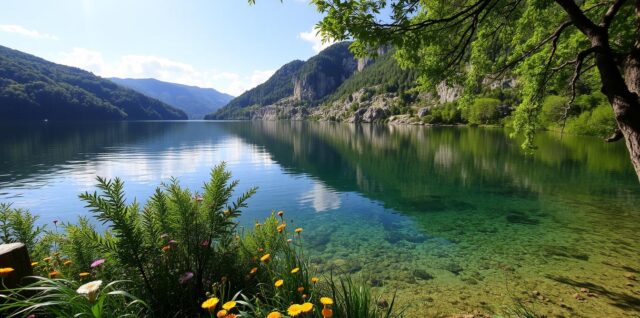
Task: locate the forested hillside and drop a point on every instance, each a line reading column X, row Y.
column 193, row 100
column 32, row 88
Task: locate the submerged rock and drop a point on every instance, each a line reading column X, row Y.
column 518, row 217
column 422, row 274
column 454, row 268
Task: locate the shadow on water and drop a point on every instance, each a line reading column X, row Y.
column 620, row 300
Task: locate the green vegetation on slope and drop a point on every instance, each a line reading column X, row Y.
column 193, row 100
column 34, row 89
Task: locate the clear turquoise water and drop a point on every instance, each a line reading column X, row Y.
column 455, row 220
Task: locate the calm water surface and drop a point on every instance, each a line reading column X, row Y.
column 454, row 219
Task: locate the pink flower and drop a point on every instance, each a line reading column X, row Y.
column 205, row 243
column 97, row 263
column 185, row 277
column 173, row 241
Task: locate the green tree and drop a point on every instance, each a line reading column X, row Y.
column 547, row 45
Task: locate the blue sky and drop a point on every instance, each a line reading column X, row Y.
column 224, row 44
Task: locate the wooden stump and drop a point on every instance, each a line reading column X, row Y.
column 16, row 256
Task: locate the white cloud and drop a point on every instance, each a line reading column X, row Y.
column 20, row 30
column 148, row 66
column 313, row 37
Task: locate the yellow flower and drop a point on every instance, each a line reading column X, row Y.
column 279, row 283
column 34, row 264
column 66, row 263
column 274, row 314
column 221, row 314
column 326, row 301
column 84, row 274
column 54, row 274
column 281, row 227
column 299, row 230
column 294, row 310
column 295, row 270
column 47, row 259
column 229, row 305
column 5, row 271
column 258, row 225
column 253, row 270
column 280, row 213
column 306, row 307
column 327, row 312
column 210, row 304
column 56, row 254
column 314, row 280
column 265, row 258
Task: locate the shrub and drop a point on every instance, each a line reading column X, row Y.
column 598, row 122
column 483, row 111
column 553, row 110
column 18, row 225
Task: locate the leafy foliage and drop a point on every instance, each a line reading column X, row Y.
column 18, row 225
column 34, row 89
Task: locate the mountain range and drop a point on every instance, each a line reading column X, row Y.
column 193, row 100
column 32, row 88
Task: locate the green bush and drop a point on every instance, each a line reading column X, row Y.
column 483, row 111
column 553, row 110
column 448, row 113
column 598, row 122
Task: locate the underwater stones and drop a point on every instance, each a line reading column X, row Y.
column 422, row 274
column 564, row 251
column 454, row 268
column 518, row 217
column 382, row 303
column 630, row 276
column 397, row 236
column 374, row 282
column 343, row 266
column 579, row 297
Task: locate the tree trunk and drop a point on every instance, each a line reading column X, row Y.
column 628, row 111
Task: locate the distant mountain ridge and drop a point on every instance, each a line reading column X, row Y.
column 193, row 100
column 32, row 88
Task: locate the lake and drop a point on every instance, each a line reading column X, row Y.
column 454, row 219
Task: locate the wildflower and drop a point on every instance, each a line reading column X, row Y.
column 54, row 274
column 253, row 270
column 166, row 248
column 221, row 313
column 327, row 312
column 295, row 270
column 6, row 271
column 205, row 243
column 56, row 254
column 229, row 305
column 97, row 262
column 210, row 304
column 314, row 280
column 299, row 230
column 279, row 283
column 274, row 314
column 281, row 227
column 173, row 241
column 260, row 250
column 280, row 213
column 90, row 289
column 265, row 258
column 294, row 310
column 289, row 240
column 300, row 289
column 164, row 235
column 304, row 296
column 185, row 277
column 326, row 301
column 47, row 259
column 34, row 264
column 231, row 316
column 84, row 274
column 66, row 263
column 306, row 307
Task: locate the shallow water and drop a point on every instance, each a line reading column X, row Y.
column 456, row 220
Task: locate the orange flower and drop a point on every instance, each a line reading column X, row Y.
column 295, row 270
column 279, row 283
column 84, row 274
column 253, row 270
column 231, row 316
column 314, row 280
column 280, row 213
column 166, row 248
column 299, row 230
column 281, row 227
column 300, row 289
column 306, row 307
column 274, row 314
column 327, row 312
column 265, row 258
column 54, row 274
column 66, row 263
column 221, row 314
column 6, row 271
column 47, row 259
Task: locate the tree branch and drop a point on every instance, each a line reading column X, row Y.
column 581, row 21
column 611, row 13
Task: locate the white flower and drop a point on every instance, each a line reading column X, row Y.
column 90, row 289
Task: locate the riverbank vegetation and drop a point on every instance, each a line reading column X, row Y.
column 181, row 254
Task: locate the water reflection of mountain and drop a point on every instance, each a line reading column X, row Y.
column 403, row 166
column 40, row 148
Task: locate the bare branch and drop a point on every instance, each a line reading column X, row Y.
column 611, row 13
column 617, row 135
column 574, row 80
